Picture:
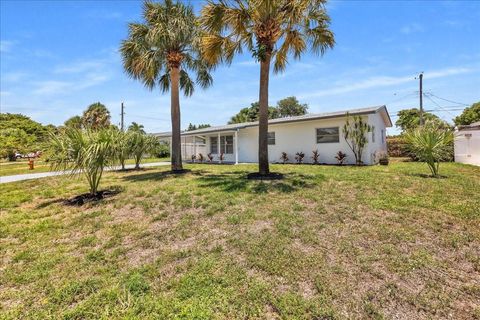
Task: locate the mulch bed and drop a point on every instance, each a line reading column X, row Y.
column 89, row 197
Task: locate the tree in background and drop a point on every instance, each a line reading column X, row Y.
column 251, row 114
column 409, row 119
column 469, row 115
column 74, row 122
column 14, row 140
column 431, row 144
column 355, row 134
column 290, row 107
column 19, row 133
column 270, row 30
column 96, row 116
column 136, row 127
column 192, row 127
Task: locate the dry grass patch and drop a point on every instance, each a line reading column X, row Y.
column 324, row 243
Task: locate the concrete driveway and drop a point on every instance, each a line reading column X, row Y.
column 29, row 176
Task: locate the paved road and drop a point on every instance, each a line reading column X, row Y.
column 20, row 177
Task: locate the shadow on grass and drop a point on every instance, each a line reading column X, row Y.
column 238, row 181
column 84, row 198
column 161, row 175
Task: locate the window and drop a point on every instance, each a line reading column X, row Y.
column 271, row 138
column 383, row 136
column 226, row 144
column 373, row 136
column 213, row 145
column 327, row 135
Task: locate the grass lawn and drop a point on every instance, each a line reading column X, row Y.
column 21, row 167
column 326, row 242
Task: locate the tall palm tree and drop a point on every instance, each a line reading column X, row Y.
column 269, row 29
column 161, row 51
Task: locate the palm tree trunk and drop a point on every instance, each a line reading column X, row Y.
column 263, row 166
column 175, row 113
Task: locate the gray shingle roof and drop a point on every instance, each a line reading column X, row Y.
column 306, row 117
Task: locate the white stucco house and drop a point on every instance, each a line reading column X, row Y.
column 322, row 132
column 467, row 144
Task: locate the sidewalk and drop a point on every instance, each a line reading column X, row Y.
column 29, row 176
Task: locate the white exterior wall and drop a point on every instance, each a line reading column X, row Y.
column 380, row 133
column 300, row 136
column 467, row 147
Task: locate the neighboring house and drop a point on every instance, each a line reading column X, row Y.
column 322, row 132
column 467, row 144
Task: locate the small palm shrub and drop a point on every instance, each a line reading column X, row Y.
column 86, row 152
column 201, row 158
column 284, row 157
column 210, row 157
column 341, row 157
column 430, row 144
column 142, row 144
column 315, row 156
column 299, row 157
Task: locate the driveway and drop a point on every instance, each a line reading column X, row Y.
column 29, row 176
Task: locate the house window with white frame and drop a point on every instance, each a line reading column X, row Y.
column 214, row 145
column 226, row 144
column 271, row 138
column 373, row 135
column 328, row 135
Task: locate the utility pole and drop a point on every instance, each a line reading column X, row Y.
column 122, row 114
column 421, row 98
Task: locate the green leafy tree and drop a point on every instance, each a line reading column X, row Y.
column 355, row 133
column 74, row 122
column 251, row 114
column 161, row 52
column 96, row 116
column 431, row 144
column 271, row 30
column 21, row 134
column 290, row 107
column 469, row 115
column 410, row 119
column 14, row 140
column 86, row 152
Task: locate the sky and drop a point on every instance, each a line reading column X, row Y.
column 58, row 57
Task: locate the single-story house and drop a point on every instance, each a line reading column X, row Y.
column 467, row 144
column 323, row 132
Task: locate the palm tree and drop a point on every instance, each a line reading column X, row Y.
column 269, row 29
column 160, row 51
column 136, row 127
column 96, row 116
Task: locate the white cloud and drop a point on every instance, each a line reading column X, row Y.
column 51, row 87
column 79, row 67
column 412, row 28
column 383, row 81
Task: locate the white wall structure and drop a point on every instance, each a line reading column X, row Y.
column 467, row 144
column 322, row 132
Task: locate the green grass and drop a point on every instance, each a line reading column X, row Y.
column 327, row 242
column 21, row 166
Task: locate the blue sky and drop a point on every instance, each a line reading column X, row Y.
column 57, row 57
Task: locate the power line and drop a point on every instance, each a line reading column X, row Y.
column 428, row 97
column 149, row 118
column 451, row 101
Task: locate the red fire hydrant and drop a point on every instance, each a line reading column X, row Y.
column 30, row 164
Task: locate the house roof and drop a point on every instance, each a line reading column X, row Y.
column 307, row 117
column 472, row 126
